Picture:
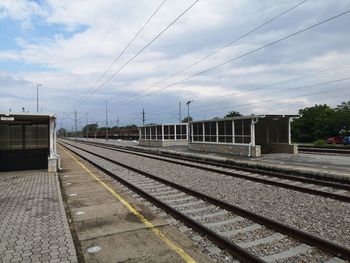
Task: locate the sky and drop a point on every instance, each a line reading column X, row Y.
column 69, row 46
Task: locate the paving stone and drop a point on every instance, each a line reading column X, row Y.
column 32, row 217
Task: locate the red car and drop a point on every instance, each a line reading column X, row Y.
column 335, row 140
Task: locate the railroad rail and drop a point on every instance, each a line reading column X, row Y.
column 223, row 223
column 324, row 150
column 334, row 190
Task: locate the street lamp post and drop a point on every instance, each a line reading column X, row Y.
column 37, row 97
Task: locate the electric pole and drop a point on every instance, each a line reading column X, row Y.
column 106, row 120
column 143, row 117
column 180, row 112
column 76, row 124
column 86, row 127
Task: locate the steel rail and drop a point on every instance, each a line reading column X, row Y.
column 222, row 242
column 345, row 185
column 323, row 150
column 330, row 247
column 302, row 189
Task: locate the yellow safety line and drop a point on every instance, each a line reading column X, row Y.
column 155, row 230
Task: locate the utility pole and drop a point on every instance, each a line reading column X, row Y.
column 106, row 120
column 86, row 125
column 188, row 118
column 76, row 124
column 37, row 97
column 143, row 117
column 118, row 121
column 180, row 112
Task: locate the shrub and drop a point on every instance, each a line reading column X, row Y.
column 320, row 142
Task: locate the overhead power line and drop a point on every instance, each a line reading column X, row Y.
column 198, row 109
column 304, row 76
column 247, row 53
column 123, row 51
column 215, row 51
column 140, row 51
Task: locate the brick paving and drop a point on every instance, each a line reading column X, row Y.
column 33, row 223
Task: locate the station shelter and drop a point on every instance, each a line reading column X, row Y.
column 164, row 135
column 27, row 142
column 244, row 135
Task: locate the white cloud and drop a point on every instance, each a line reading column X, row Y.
column 94, row 33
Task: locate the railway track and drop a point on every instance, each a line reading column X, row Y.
column 334, row 190
column 323, row 150
column 246, row 235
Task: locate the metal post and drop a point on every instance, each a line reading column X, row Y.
column 180, row 119
column 76, row 125
column 143, row 117
column 188, row 117
column 37, row 97
column 106, row 120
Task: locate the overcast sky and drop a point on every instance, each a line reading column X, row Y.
column 67, row 45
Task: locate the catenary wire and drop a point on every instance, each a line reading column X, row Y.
column 246, row 54
column 215, row 51
column 123, row 51
column 140, row 51
column 300, row 87
column 305, row 76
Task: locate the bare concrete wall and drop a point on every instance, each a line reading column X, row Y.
column 240, row 150
column 160, row 143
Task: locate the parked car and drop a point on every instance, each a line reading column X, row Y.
column 335, row 140
column 346, row 140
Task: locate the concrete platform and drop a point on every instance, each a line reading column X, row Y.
column 108, row 219
column 321, row 165
column 33, row 223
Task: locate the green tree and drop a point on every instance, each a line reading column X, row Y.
column 61, row 132
column 343, row 118
column 317, row 122
column 186, row 119
column 90, row 128
column 233, row 114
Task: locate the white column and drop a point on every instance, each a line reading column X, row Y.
column 233, row 131
column 156, row 132
column 217, row 131
column 175, row 132
column 252, row 132
column 203, row 131
column 162, row 132
column 52, row 138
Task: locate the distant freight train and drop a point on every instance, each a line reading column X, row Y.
column 124, row 133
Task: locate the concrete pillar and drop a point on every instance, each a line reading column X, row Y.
column 233, row 131
column 162, row 132
column 252, row 132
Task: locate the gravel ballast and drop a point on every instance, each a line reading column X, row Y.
column 327, row 218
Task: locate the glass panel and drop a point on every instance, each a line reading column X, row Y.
column 228, row 128
column 184, row 130
column 42, row 134
column 238, row 127
column 221, row 127
column 229, row 139
column 4, row 137
column 172, row 132
column 246, row 127
column 16, row 137
column 238, row 139
column 153, row 132
column 30, row 136
column 159, row 132
column 247, row 139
